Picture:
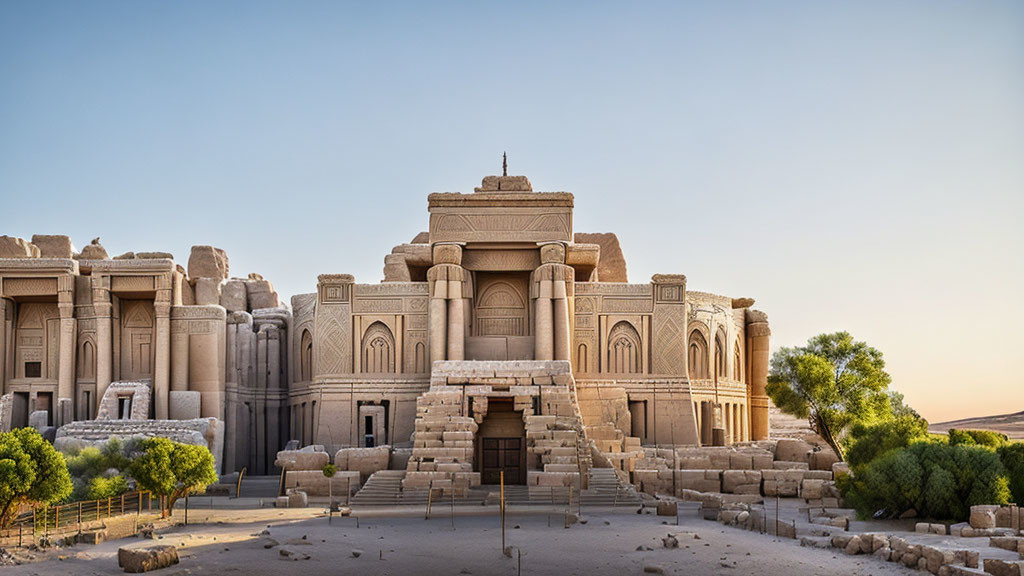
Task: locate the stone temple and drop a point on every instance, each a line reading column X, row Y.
column 500, row 341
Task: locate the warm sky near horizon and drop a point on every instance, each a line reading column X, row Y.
column 853, row 166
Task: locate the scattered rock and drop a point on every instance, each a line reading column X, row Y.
column 357, row 553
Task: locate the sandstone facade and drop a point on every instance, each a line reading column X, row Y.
column 499, row 333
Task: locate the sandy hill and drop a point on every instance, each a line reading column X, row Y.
column 1010, row 424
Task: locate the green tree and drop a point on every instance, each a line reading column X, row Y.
column 869, row 441
column 172, row 469
column 100, row 487
column 31, row 472
column 1012, row 457
column 834, row 381
column 976, row 437
column 934, row 478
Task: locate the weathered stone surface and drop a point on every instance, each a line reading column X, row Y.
column 233, row 296
column 983, row 516
column 208, row 262
column 792, row 450
column 612, row 265
column 11, row 247
column 260, row 293
column 137, row 560
column 184, row 404
column 302, row 460
column 94, row 251
column 53, row 246
column 207, row 291
column 366, row 461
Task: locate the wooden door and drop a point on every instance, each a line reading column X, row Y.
column 502, row 455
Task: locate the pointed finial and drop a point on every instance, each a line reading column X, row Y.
column 504, row 164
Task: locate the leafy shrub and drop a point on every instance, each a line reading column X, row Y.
column 868, row 442
column 92, row 463
column 100, row 487
column 938, row 480
column 976, row 437
column 1012, row 457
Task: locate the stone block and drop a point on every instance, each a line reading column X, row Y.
column 138, row 560
column 208, row 262
column 207, row 291
column 366, row 461
column 301, row 460
column 11, row 247
column 983, row 516
column 260, row 293
column 52, row 246
column 233, row 296
column 823, row 459
column 997, row 567
column 666, row 508
column 39, row 419
column 793, row 450
column 184, row 404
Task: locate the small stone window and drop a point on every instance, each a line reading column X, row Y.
column 33, row 369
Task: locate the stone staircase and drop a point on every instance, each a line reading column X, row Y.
column 606, row 489
column 384, row 488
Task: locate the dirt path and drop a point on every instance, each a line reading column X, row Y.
column 605, row 544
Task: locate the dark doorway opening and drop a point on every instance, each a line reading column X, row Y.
column 501, row 441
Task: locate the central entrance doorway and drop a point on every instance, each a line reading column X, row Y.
column 502, row 443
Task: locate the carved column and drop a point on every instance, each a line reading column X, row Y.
column 438, row 334
column 447, row 309
column 562, row 337
column 162, row 366
column 758, row 343
column 179, row 356
column 66, row 369
column 456, row 321
column 543, row 333
column 104, row 345
column 553, row 286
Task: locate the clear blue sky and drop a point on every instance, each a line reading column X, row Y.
column 852, row 165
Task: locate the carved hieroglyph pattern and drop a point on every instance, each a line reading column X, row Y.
column 669, row 342
column 507, row 224
column 500, row 260
column 29, row 287
column 626, row 305
column 381, row 306
column 334, row 340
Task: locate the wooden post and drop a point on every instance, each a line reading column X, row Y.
column 139, row 513
column 502, row 477
column 79, row 516
column 56, row 519
column 430, row 497
column 122, row 504
column 776, row 513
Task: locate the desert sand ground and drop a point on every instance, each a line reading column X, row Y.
column 1010, row 424
column 301, row 542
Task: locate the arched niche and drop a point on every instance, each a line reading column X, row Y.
column 624, row 349
column 378, row 350
column 697, row 354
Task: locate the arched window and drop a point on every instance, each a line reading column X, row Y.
column 737, row 365
column 87, row 361
column 624, row 349
column 720, row 371
column 582, row 359
column 306, row 358
column 698, row 356
column 378, row 349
